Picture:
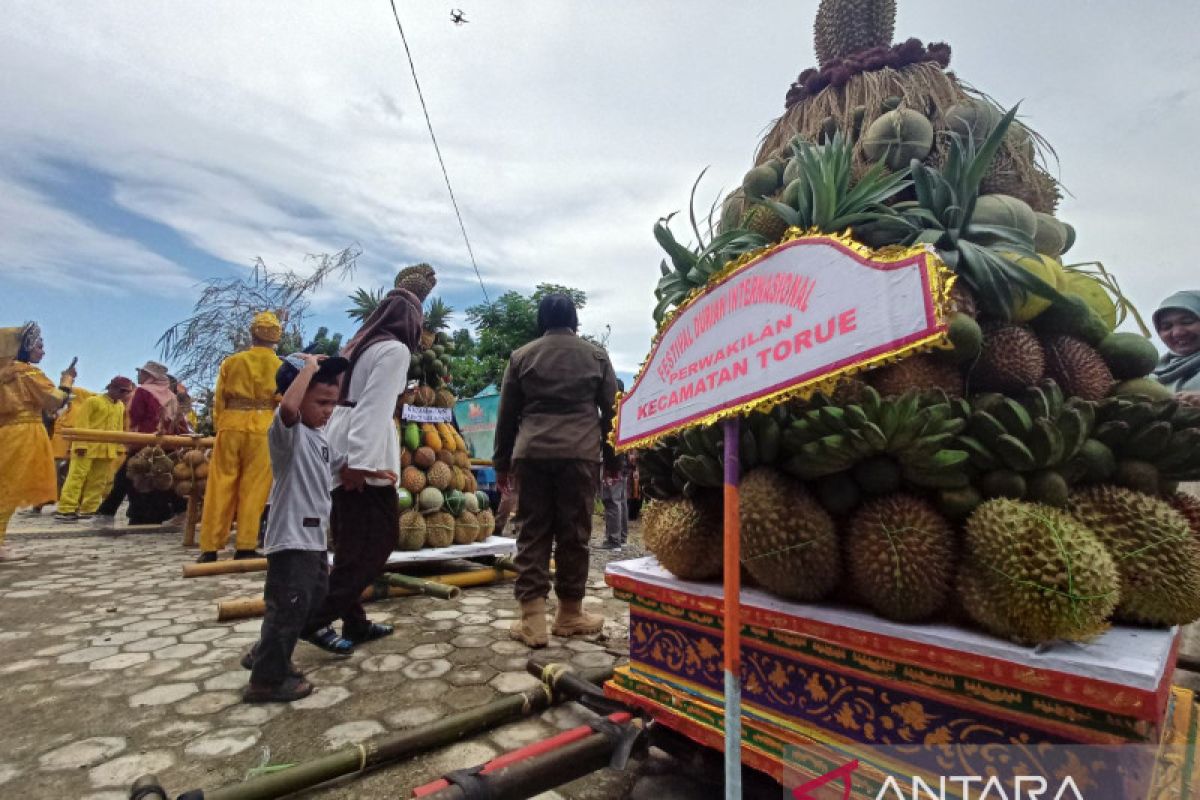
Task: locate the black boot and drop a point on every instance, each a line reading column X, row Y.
column 206, row 557
column 241, row 555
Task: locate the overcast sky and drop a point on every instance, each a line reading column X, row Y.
column 147, row 146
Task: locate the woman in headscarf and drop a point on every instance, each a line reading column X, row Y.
column 27, row 473
column 1177, row 321
column 362, row 435
column 153, row 408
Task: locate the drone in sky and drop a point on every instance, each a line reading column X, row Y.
column 458, row 17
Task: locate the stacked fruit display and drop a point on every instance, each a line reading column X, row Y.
column 1024, row 475
column 440, row 501
column 151, row 470
column 190, row 472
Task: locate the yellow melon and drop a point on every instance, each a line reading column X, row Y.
column 1094, row 294
column 1029, row 305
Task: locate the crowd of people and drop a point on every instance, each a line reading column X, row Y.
column 306, row 460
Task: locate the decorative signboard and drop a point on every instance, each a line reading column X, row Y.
column 425, row 414
column 785, row 321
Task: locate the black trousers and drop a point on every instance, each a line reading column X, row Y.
column 297, row 582
column 364, row 528
column 116, row 495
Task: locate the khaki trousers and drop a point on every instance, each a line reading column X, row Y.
column 555, row 518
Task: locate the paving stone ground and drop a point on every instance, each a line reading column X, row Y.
column 113, row 665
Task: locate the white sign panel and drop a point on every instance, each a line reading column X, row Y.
column 802, row 312
column 425, row 414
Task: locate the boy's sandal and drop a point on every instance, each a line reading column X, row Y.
column 374, row 631
column 287, row 691
column 247, row 662
column 328, row 640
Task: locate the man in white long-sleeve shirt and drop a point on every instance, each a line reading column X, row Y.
column 366, row 510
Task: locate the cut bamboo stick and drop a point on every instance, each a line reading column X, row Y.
column 247, row 607
column 424, row 586
column 131, row 437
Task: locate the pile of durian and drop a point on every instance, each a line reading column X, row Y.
column 440, row 501
column 1025, row 476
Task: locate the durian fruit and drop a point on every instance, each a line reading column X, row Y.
column 1189, row 506
column 161, row 481
column 1077, row 368
column 458, row 480
column 962, row 300
column 1012, row 358
column 439, row 529
column 138, row 465
column 1033, row 574
column 412, row 531
column 413, row 480
column 487, row 524
column 761, row 219
column 685, row 535
column 900, row 557
column 466, row 528
column 439, row 476
column 846, row 27
column 418, row 279
column 789, row 543
column 424, row 457
column 923, row 372
column 1153, row 547
column 444, row 398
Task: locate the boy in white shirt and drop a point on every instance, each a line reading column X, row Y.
column 297, row 520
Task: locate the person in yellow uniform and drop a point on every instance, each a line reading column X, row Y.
column 239, row 472
column 27, row 475
column 92, row 462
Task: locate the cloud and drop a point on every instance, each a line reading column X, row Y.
column 277, row 130
column 47, row 246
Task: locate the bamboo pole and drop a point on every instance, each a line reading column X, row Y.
column 230, row 566
column 131, row 437
column 424, row 586
column 395, row 747
column 247, row 607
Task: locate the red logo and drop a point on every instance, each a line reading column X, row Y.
column 474, row 411
column 802, row 792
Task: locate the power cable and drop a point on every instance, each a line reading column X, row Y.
column 437, row 149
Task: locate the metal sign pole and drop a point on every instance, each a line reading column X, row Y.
column 732, row 619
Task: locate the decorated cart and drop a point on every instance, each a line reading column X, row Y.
column 880, row 396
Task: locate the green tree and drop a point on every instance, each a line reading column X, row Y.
column 501, row 327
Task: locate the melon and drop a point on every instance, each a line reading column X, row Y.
column 1029, row 305
column 1051, row 237
column 485, row 502
column 898, row 137
column 972, row 119
column 1005, row 210
column 1094, row 294
column 406, row 499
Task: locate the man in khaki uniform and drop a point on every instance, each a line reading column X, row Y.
column 556, row 409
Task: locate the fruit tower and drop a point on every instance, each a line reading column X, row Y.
column 440, row 502
column 1023, row 478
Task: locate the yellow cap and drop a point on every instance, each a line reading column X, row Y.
column 266, row 327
